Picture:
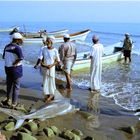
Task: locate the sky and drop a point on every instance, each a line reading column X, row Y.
column 74, row 11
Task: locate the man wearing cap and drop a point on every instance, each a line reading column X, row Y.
column 49, row 59
column 13, row 57
column 96, row 54
column 127, row 47
column 68, row 54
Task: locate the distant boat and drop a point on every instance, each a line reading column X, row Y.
column 83, row 62
column 10, row 29
column 80, row 36
column 42, row 33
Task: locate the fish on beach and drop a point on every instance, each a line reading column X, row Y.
column 56, row 108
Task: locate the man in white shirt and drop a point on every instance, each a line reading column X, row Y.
column 50, row 58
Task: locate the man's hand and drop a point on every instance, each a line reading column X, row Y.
column 36, row 66
column 16, row 62
column 49, row 66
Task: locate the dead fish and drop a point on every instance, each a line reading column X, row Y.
column 55, row 108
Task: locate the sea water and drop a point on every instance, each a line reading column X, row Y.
column 119, row 81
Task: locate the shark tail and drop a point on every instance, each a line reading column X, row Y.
column 19, row 123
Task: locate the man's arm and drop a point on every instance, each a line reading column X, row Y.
column 3, row 55
column 40, row 57
column 62, row 52
column 49, row 66
column 75, row 56
column 16, row 62
column 37, row 63
column 19, row 53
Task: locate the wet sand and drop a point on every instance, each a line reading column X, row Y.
column 108, row 117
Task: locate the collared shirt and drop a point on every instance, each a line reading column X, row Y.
column 50, row 56
column 67, row 51
column 11, row 53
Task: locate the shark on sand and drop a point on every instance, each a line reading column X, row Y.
column 53, row 109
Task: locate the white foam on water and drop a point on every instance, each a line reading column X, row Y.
column 83, row 85
column 108, row 90
column 137, row 52
column 125, row 95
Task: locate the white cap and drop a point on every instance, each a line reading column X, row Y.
column 17, row 36
column 96, row 38
column 66, row 36
column 127, row 34
column 52, row 38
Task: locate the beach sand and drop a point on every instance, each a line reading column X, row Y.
column 108, row 117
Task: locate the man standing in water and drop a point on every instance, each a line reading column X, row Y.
column 13, row 68
column 127, row 47
column 68, row 56
column 96, row 54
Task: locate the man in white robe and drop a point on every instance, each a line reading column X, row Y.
column 96, row 54
column 50, row 58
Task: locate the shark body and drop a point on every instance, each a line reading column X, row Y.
column 56, row 108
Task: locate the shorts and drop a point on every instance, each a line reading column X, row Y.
column 68, row 66
column 127, row 53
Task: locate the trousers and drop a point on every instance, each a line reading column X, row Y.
column 13, row 87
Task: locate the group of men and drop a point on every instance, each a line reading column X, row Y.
column 48, row 58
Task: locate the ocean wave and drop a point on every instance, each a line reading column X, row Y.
column 126, row 95
column 113, row 33
column 137, row 52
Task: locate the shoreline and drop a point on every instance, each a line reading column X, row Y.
column 108, row 117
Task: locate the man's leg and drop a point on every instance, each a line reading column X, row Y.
column 9, row 84
column 130, row 56
column 16, row 88
column 125, row 59
column 68, row 65
column 68, row 78
column 130, row 59
column 45, row 84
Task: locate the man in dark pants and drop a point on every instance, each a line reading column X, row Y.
column 127, row 47
column 13, row 68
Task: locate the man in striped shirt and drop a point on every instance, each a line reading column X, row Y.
column 13, row 57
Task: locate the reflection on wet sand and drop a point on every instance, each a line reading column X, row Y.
column 93, row 107
column 64, row 91
column 89, row 108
